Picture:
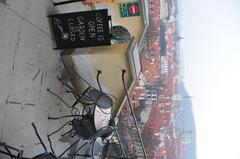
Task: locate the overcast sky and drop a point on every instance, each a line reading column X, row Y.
column 211, row 48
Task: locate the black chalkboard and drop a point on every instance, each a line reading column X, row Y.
column 81, row 29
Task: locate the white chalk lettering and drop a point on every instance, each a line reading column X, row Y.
column 99, row 24
column 71, row 31
column 80, row 20
column 92, row 29
column 92, row 35
column 99, row 18
column 100, row 38
column 82, row 35
column 70, row 20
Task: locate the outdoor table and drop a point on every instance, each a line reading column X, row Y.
column 97, row 148
column 101, row 117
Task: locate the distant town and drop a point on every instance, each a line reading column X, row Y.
column 155, row 96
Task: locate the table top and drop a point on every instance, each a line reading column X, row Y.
column 101, row 117
column 97, row 148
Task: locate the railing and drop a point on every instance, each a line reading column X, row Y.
column 130, row 130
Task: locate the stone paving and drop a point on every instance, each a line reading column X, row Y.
column 28, row 66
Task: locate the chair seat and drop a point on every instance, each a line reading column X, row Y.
column 100, row 98
column 84, row 128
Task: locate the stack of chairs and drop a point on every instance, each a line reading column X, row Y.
column 82, row 126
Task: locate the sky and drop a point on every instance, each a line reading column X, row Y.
column 211, row 55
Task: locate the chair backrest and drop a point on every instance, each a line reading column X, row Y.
column 84, row 127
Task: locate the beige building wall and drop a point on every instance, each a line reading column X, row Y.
column 111, row 65
column 111, row 59
column 135, row 24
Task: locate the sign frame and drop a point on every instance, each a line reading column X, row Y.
column 82, row 29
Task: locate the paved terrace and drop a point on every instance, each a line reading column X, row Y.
column 29, row 66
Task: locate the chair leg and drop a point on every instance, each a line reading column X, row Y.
column 39, row 138
column 59, row 98
column 50, row 143
column 54, row 132
column 80, row 148
column 66, row 116
column 71, row 70
column 76, row 102
column 3, row 144
column 8, row 154
column 69, row 148
column 75, row 96
column 67, row 85
column 6, row 148
column 81, row 155
column 67, row 132
column 74, row 135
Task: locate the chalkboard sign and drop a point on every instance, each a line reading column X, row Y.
column 81, row 29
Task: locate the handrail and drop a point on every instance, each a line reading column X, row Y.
column 133, row 115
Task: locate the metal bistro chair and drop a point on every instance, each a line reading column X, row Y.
column 83, row 127
column 90, row 96
column 11, row 151
column 104, row 146
column 8, row 151
column 79, row 122
column 108, row 148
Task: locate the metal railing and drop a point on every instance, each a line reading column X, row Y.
column 129, row 129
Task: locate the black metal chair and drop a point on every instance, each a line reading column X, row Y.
column 84, row 127
column 85, row 130
column 90, row 96
column 15, row 153
column 78, row 123
column 10, row 151
column 106, row 149
column 104, row 146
